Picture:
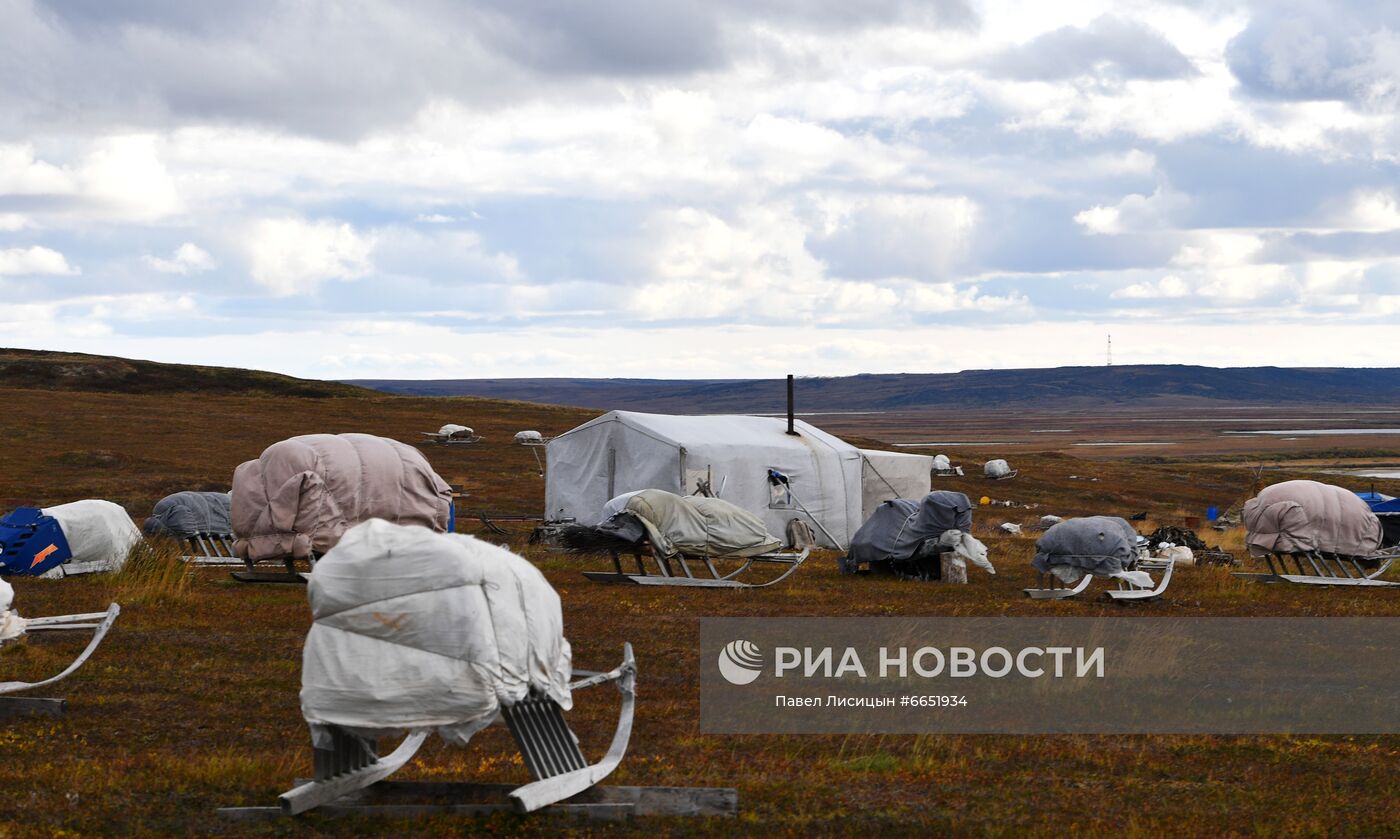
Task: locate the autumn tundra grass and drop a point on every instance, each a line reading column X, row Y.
column 192, row 701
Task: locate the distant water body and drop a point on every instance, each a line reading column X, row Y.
column 1317, row 432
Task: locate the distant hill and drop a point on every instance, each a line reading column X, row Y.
column 1067, row 388
column 44, row 370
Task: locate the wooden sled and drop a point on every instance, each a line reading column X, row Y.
column 98, row 622
column 350, row 776
column 1125, row 591
column 676, row 571
column 251, row 574
column 434, row 438
column 1316, row 568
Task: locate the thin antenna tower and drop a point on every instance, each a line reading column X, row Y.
column 1110, row 349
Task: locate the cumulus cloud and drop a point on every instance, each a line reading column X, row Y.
column 294, row 256
column 1134, row 212
column 889, row 235
column 189, row 258
column 1345, row 50
column 685, row 168
column 1170, row 286
column 32, row 261
column 1108, row 46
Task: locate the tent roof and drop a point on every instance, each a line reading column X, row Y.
column 908, row 457
column 725, row 429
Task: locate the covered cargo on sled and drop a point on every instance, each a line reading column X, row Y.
column 77, row 538
column 201, row 521
column 677, row 530
column 1075, row 551
column 911, row 538
column 417, row 633
column 301, row 495
column 1313, row 533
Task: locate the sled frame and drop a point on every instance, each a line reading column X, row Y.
column 1320, row 568
column 98, row 622
column 349, row 774
column 676, row 571
column 251, row 574
column 1053, row 589
column 210, row 549
column 433, row 438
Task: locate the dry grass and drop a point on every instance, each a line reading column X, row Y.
column 154, row 574
column 191, row 703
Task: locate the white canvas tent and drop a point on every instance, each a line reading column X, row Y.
column 888, row 475
column 623, row 451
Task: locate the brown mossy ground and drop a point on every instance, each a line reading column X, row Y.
column 191, row 703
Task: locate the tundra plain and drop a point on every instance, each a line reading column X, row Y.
column 191, row 703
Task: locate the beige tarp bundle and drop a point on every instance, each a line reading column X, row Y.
column 302, row 494
column 1298, row 516
column 696, row 525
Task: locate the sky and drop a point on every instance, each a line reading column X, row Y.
column 701, row 188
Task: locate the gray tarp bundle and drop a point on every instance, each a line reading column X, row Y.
column 897, row 528
column 1300, row 516
column 1101, row 545
column 187, row 513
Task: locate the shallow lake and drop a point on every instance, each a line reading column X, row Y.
column 1316, row 432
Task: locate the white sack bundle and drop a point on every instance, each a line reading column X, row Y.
column 415, row 629
column 11, row 624
column 453, row 430
column 996, row 469
column 524, row 437
column 966, row 548
column 97, row 532
column 1179, row 554
column 942, row 463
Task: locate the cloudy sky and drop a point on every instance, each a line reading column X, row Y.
column 700, row 188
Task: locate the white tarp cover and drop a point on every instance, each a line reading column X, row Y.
column 453, row 430
column 616, row 505
column 414, row 629
column 523, row 437
column 942, row 463
column 11, row 624
column 624, row 450
column 996, row 468
column 695, row 525
column 301, row 494
column 1299, row 516
column 889, row 475
column 97, row 531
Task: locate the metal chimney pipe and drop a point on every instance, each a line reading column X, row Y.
column 790, row 430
